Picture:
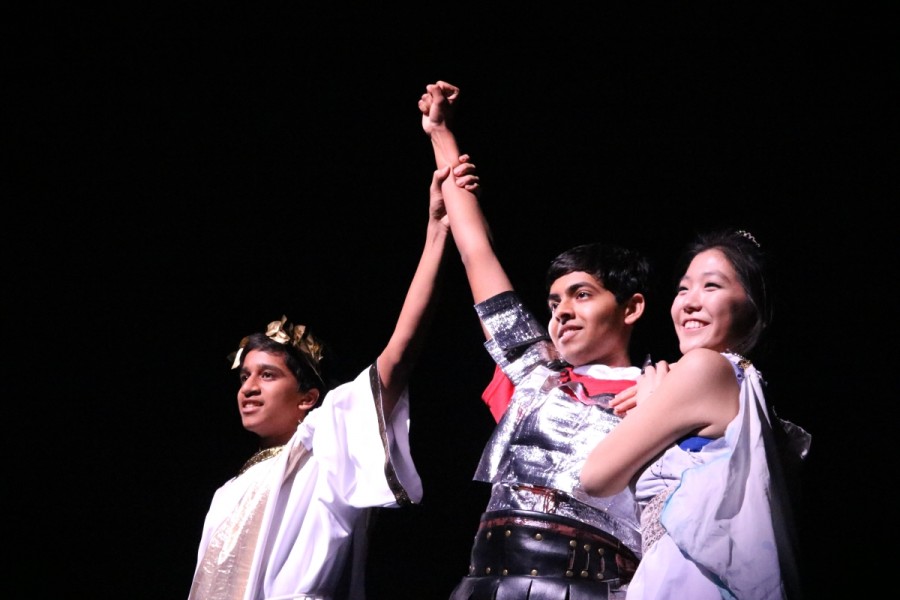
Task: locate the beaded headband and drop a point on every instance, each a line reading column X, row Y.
column 748, row 236
column 297, row 336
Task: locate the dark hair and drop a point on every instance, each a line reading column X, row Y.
column 749, row 263
column 296, row 361
column 622, row 271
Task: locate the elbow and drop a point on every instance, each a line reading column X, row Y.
column 590, row 485
column 475, row 254
column 600, row 487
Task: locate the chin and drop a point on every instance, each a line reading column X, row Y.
column 686, row 346
column 572, row 359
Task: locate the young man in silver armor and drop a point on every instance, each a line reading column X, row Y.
column 541, row 537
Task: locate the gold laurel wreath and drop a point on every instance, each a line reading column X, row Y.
column 289, row 334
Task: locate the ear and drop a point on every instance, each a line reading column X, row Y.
column 308, row 400
column 634, row 308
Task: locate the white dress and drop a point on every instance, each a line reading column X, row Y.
column 308, row 506
column 712, row 518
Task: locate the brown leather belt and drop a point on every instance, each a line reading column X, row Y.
column 515, row 542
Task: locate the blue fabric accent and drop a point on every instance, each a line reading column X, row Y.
column 694, row 443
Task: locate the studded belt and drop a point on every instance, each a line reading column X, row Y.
column 516, row 542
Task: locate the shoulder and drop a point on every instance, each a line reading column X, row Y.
column 703, row 377
column 704, row 363
column 709, row 389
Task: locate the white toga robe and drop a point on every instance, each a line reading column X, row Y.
column 307, row 506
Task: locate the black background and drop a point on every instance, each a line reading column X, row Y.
column 182, row 175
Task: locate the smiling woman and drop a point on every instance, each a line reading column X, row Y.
column 704, row 447
column 712, row 309
column 722, row 301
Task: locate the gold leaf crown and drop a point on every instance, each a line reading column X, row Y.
column 297, row 336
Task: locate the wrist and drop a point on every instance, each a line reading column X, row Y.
column 438, row 129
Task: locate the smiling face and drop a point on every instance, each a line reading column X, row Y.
column 587, row 325
column 711, row 309
column 269, row 399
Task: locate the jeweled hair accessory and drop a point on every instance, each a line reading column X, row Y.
column 289, row 334
column 747, row 235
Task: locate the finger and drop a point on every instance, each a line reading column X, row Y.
column 623, row 408
column 464, row 169
column 467, row 181
column 451, row 95
column 449, row 90
column 441, row 174
column 632, row 390
column 621, row 411
column 623, row 395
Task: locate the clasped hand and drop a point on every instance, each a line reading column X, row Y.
column 626, row 400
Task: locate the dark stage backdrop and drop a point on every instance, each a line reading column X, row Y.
column 184, row 175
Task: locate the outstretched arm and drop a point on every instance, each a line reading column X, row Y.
column 699, row 396
column 470, row 228
column 396, row 361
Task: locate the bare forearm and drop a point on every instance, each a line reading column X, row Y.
column 405, row 345
column 471, row 231
column 446, row 150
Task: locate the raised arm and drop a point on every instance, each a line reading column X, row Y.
column 470, row 228
column 396, row 361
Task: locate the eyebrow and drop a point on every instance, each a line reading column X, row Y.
column 572, row 288
column 706, row 274
column 721, row 274
column 264, row 367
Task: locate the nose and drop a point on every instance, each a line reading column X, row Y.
column 689, row 301
column 563, row 311
column 249, row 387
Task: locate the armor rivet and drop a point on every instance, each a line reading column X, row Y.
column 534, row 572
column 538, row 536
column 584, row 573
column 572, row 543
column 507, row 533
column 569, row 574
